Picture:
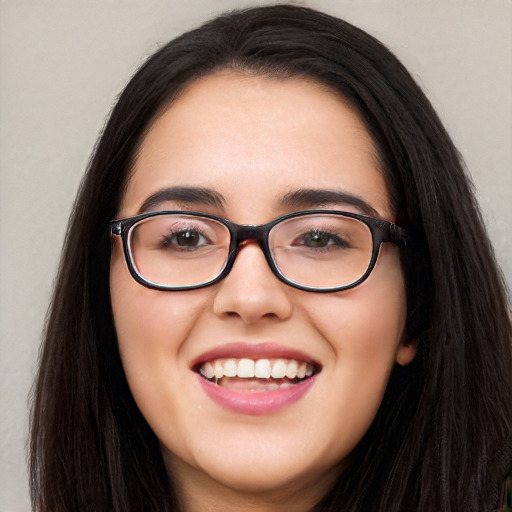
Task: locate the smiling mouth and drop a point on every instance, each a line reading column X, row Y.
column 256, row 375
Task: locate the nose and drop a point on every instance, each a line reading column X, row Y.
column 251, row 291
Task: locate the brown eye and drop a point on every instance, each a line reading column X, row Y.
column 188, row 238
column 185, row 239
column 319, row 238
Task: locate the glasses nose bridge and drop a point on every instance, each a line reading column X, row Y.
column 242, row 233
column 245, row 233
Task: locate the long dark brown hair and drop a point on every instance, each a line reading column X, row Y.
column 442, row 437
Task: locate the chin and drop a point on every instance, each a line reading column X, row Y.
column 274, row 471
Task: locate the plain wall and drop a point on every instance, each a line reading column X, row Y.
column 62, row 64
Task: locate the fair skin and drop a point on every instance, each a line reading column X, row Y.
column 253, row 140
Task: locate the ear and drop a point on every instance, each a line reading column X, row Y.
column 406, row 351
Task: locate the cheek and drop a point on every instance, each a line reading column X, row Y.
column 364, row 329
column 151, row 328
column 147, row 315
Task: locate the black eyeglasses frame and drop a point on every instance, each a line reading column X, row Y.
column 381, row 231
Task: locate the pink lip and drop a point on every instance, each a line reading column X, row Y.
column 267, row 350
column 254, row 403
column 266, row 402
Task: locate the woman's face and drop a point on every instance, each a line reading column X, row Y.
column 252, row 142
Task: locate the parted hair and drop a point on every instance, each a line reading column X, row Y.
column 442, row 438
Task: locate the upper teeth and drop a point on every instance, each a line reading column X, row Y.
column 260, row 368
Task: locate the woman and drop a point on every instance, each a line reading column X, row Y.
column 276, row 292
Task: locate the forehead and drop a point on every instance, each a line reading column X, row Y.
column 237, row 133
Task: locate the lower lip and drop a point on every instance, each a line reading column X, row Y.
column 257, row 403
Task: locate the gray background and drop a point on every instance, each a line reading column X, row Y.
column 62, row 64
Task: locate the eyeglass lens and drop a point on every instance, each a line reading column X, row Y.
column 317, row 250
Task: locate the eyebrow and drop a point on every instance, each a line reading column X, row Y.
column 310, row 198
column 302, row 198
column 186, row 195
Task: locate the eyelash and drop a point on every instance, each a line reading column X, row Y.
column 167, row 239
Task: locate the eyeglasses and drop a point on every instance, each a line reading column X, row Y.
column 312, row 250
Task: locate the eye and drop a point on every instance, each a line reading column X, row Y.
column 187, row 238
column 319, row 239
